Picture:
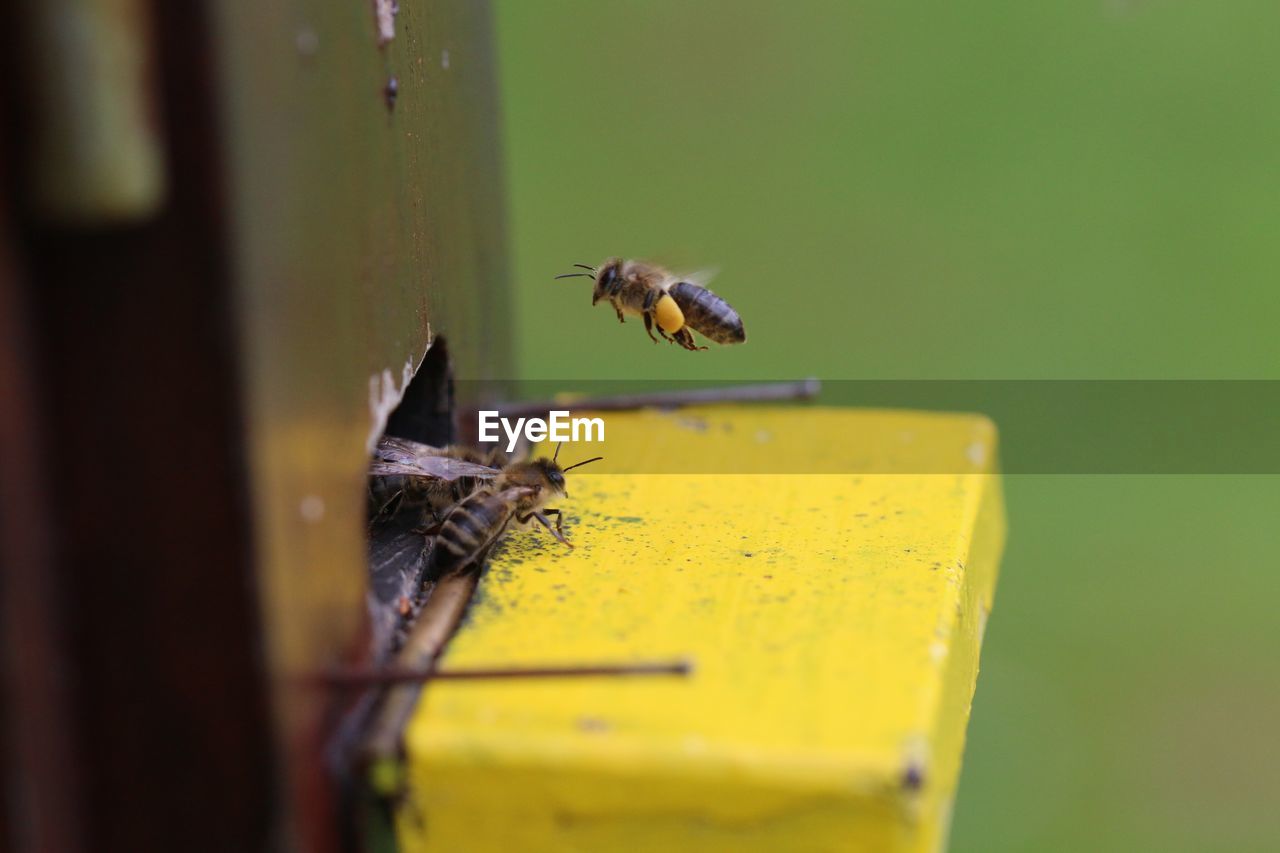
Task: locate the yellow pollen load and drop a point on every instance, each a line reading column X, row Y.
column 668, row 314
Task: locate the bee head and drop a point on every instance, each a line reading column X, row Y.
column 547, row 474
column 606, row 278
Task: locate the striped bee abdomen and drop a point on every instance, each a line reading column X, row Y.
column 467, row 529
column 708, row 314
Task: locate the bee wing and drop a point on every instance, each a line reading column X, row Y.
column 699, row 277
column 435, row 467
column 391, row 449
column 400, row 456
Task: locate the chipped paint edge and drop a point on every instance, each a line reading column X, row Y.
column 385, row 395
column 384, row 13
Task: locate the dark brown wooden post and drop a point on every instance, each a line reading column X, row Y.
column 201, row 376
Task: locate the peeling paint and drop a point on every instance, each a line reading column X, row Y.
column 977, row 453
column 384, row 12
column 391, row 91
column 307, row 42
column 385, row 394
column 312, row 509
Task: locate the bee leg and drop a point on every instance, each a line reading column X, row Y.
column 648, row 327
column 390, row 508
column 621, row 319
column 646, row 311
column 430, row 523
column 685, row 338
column 559, row 518
column 473, row 566
column 650, row 301
column 545, row 522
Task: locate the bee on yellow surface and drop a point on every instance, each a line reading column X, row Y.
column 675, row 304
column 519, row 490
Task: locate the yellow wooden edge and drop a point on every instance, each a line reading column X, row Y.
column 834, row 621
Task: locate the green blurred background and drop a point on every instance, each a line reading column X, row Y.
column 992, row 190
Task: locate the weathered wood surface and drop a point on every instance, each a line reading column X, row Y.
column 362, row 228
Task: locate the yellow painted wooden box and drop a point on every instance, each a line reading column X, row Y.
column 832, row 599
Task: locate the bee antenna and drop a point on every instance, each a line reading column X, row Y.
column 585, row 267
column 556, row 455
column 580, row 464
column 575, row 275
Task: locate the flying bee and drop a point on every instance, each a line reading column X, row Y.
column 519, row 490
column 673, row 303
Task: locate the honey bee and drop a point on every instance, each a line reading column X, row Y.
column 519, row 490
column 673, row 303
